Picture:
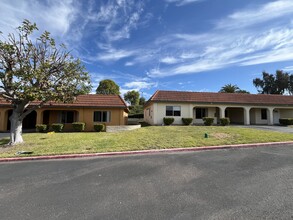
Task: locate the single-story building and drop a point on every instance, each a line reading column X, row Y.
column 255, row 109
column 91, row 109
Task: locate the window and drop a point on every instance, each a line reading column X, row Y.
column 264, row 115
column 102, row 116
column 67, row 117
column 173, row 111
column 200, row 113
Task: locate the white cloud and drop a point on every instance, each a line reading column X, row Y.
column 138, row 85
column 182, row 2
column 260, row 14
column 54, row 16
column 169, row 60
column 288, row 68
column 114, row 55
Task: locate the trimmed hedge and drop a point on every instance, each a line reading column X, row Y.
column 286, row 121
column 224, row 121
column 78, row 126
column 187, row 121
column 41, row 127
column 99, row 127
column 168, row 121
column 208, row 121
column 57, row 127
column 135, row 116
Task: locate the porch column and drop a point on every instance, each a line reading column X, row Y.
column 2, row 121
column 222, row 112
column 246, row 116
column 39, row 119
column 270, row 116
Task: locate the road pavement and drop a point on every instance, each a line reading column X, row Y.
column 255, row 183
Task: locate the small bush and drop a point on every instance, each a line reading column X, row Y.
column 224, row 121
column 41, row 127
column 135, row 116
column 208, row 121
column 187, row 121
column 57, row 127
column 99, row 127
column 286, row 121
column 78, row 126
column 168, row 121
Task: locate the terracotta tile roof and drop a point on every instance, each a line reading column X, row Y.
column 220, row 98
column 90, row 100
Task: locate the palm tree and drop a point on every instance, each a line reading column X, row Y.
column 229, row 88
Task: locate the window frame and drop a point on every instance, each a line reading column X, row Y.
column 105, row 116
column 203, row 112
column 264, row 114
column 64, row 116
column 173, row 111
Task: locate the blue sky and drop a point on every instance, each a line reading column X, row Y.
column 188, row 45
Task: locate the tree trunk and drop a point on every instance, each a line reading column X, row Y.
column 16, row 124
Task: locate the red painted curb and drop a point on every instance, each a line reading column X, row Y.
column 142, row 152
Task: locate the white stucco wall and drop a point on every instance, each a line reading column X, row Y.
column 149, row 114
column 286, row 113
column 255, row 117
column 158, row 112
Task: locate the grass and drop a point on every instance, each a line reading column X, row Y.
column 153, row 137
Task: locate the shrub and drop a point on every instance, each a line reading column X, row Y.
column 286, row 121
column 224, row 121
column 208, row 121
column 99, row 127
column 187, row 121
column 41, row 127
column 78, row 126
column 57, row 127
column 168, row 121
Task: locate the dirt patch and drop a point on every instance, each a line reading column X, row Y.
column 221, row 135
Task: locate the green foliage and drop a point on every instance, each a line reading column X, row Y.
column 37, row 70
column 142, row 101
column 78, row 126
column 187, row 121
column 286, row 121
column 168, row 121
column 208, row 121
column 57, row 127
column 274, row 84
column 99, row 127
column 135, row 110
column 108, row 87
column 132, row 97
column 229, row 88
column 224, row 121
column 41, row 127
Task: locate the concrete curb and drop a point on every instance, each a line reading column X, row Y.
column 142, row 152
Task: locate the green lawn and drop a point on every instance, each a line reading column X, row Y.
column 153, row 137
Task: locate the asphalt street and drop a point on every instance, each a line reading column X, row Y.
column 255, row 183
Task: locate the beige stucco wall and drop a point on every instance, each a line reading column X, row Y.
column 118, row 116
column 149, row 114
column 255, row 117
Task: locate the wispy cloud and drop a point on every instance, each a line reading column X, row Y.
column 243, row 46
column 138, row 85
column 182, row 2
column 169, row 60
column 260, row 14
column 56, row 16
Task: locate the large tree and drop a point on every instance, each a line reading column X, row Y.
column 108, row 87
column 132, row 97
column 229, row 88
column 274, row 84
column 35, row 69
